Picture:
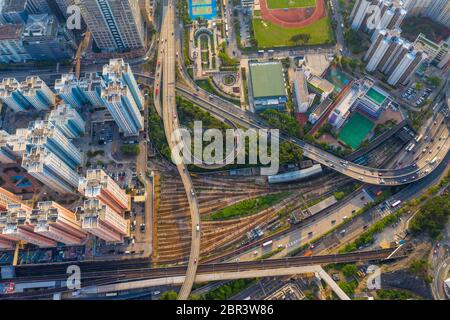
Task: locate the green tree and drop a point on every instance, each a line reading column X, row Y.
column 420, row 268
column 302, row 38
column 349, row 270
column 169, row 295
column 339, row 195
column 349, row 287
column 130, row 149
column 435, row 81
column 432, row 217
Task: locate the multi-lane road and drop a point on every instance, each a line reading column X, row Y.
column 170, row 119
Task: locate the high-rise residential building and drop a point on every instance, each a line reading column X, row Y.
column 116, row 25
column 71, row 90
column 47, row 134
column 19, row 141
column 6, row 243
column 78, row 92
column 407, row 66
column 121, row 105
column 53, row 221
column 17, row 225
column 7, row 154
column 102, row 221
column 99, row 185
column 11, row 95
column 12, row 49
column 68, row 120
column 7, row 198
column 50, row 170
column 382, row 48
column 37, row 93
column 394, row 56
column 121, row 96
column 117, row 71
column 93, row 89
column 438, row 10
column 369, row 15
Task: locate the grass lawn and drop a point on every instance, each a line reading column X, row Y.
column 269, row 35
column 248, row 207
column 355, row 130
column 279, row 4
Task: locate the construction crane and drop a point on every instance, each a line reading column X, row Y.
column 19, row 245
column 84, row 44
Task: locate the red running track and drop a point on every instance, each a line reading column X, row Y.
column 293, row 17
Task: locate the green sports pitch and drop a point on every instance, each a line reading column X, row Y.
column 355, row 130
column 269, row 35
column 280, row 4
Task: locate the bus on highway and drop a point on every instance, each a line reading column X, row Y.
column 395, row 204
column 308, row 253
column 433, row 160
column 265, row 244
column 410, row 147
column 418, row 138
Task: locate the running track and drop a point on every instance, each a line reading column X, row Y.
column 294, row 17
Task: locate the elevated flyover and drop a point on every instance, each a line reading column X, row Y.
column 171, row 125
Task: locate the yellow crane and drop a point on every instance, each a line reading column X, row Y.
column 19, row 245
column 84, row 44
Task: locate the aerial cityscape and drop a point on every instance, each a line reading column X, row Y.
column 224, row 150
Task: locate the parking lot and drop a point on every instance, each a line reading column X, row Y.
column 417, row 97
column 103, row 132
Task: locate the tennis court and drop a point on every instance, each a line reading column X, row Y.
column 376, row 96
column 201, row 2
column 204, row 9
column 355, row 130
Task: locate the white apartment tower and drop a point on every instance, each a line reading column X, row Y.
column 7, row 154
column 406, row 67
column 58, row 223
column 46, row 133
column 102, row 221
column 37, row 93
column 120, row 103
column 50, row 170
column 17, row 226
column 11, row 95
column 68, row 120
column 117, row 71
column 99, row 185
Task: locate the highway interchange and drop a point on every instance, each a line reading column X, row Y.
column 165, row 87
column 420, row 171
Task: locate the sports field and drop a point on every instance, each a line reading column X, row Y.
column 280, row 4
column 355, row 130
column 200, row 11
column 270, row 35
column 375, row 96
column 201, row 2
